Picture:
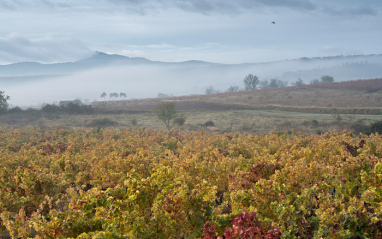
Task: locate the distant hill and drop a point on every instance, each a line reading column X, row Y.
column 341, row 67
column 98, row 60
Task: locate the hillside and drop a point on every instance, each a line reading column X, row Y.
column 352, row 105
column 359, row 94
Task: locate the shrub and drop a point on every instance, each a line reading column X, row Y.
column 315, row 123
column 73, row 108
column 360, row 127
column 50, row 108
column 102, row 123
column 15, row 110
column 134, row 122
column 33, row 112
column 180, row 120
column 376, row 127
column 209, row 124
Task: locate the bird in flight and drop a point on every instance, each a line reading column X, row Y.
column 273, row 23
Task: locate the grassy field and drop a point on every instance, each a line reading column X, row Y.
column 312, row 109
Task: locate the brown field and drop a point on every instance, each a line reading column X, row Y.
column 360, row 94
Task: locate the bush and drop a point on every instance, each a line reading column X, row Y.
column 102, row 123
column 134, row 122
column 360, row 127
column 73, row 108
column 376, row 127
column 33, row 112
column 180, row 120
column 50, row 109
column 15, row 110
column 209, row 124
column 315, row 123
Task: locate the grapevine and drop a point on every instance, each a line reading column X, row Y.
column 138, row 183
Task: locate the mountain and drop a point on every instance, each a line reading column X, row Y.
column 341, row 67
column 98, row 60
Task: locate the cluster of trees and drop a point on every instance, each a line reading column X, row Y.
column 71, row 107
column 252, row 82
column 324, row 79
column 113, row 95
column 162, row 95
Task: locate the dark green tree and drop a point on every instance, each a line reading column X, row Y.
column 327, row 79
column 211, row 90
column 251, row 82
column 3, row 101
column 273, row 83
column 165, row 112
column 315, row 82
column 103, row 95
column 233, row 89
column 298, row 82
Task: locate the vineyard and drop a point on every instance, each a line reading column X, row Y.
column 139, row 183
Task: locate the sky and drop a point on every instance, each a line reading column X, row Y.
column 222, row 31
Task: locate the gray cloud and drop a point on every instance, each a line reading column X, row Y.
column 54, row 5
column 9, row 5
column 351, row 8
column 363, row 10
column 293, row 4
column 16, row 48
column 209, row 6
column 22, row 4
column 351, row 11
column 142, row 7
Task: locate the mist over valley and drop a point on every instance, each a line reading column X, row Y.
column 34, row 84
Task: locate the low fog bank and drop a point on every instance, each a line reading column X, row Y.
column 136, row 81
column 147, row 81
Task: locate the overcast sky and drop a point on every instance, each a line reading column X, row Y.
column 226, row 31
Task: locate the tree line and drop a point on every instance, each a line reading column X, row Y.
column 113, row 95
column 252, row 82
